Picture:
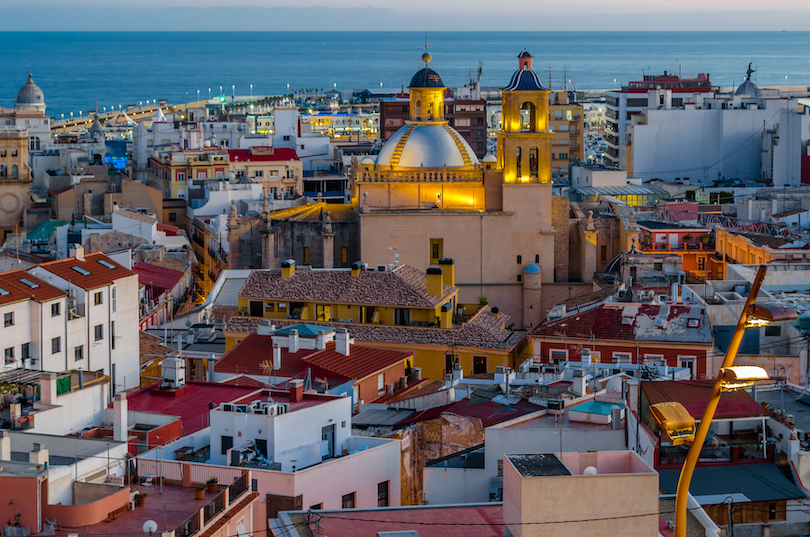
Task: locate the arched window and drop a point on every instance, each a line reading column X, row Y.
column 14, row 172
column 527, row 117
column 418, row 110
column 533, row 162
column 2, row 170
column 517, row 161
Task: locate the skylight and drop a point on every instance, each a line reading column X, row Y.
column 81, row 271
column 106, row 264
column 29, row 283
column 693, row 323
column 3, row 292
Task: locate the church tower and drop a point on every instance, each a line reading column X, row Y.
column 524, row 142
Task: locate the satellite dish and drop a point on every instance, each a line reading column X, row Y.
column 150, row 526
column 188, row 323
column 590, row 470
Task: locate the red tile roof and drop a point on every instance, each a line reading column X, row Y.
column 278, row 154
column 190, row 404
column 694, row 394
column 241, row 380
column 171, row 231
column 489, row 413
column 99, row 276
column 446, row 521
column 361, row 362
column 13, row 290
column 160, row 278
column 249, row 354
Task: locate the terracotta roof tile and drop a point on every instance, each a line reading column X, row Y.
column 151, row 347
column 482, row 332
column 99, row 274
column 12, row 289
column 404, row 286
column 157, row 277
column 361, row 362
column 249, row 354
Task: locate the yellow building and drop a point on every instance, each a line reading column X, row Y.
column 172, row 169
column 749, row 249
column 398, row 307
column 15, row 180
column 567, row 121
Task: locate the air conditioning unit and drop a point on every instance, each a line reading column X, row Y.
column 556, row 404
column 228, row 407
column 382, row 268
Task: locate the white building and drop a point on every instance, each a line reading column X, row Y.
column 597, row 175
column 310, row 147
column 790, row 144
column 92, row 324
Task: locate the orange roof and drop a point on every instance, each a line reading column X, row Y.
column 360, row 363
column 96, row 270
column 249, row 354
column 14, row 288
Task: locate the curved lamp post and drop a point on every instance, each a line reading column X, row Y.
column 679, row 426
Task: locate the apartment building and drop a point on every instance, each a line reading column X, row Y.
column 567, row 121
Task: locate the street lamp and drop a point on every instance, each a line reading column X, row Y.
column 674, row 423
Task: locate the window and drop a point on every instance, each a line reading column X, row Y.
column 348, row 501
column 436, row 247
column 98, row 298
column 658, row 266
column 344, row 255
column 172, row 217
column 402, row 317
column 316, row 507
column 56, row 345
column 29, row 283
column 9, row 352
column 689, row 363
column 382, row 494
column 500, row 467
column 622, row 358
column 2, row 152
column 8, row 319
column 99, row 332
column 78, row 352
column 555, row 356
column 380, row 383
column 569, row 115
column 181, row 176
column 269, row 307
column 227, row 443
column 13, row 152
column 520, row 278
column 519, row 259
column 112, row 334
column 323, row 312
column 518, row 163
column 113, row 298
column 259, row 173
column 56, row 309
column 282, row 307
column 536, row 258
column 479, row 365
column 771, row 511
column 773, row 330
column 25, row 351
column 306, row 255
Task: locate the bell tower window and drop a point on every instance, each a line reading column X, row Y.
column 527, row 117
column 517, row 163
column 418, row 110
column 533, row 162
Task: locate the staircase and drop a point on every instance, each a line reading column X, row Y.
column 460, row 145
column 401, row 145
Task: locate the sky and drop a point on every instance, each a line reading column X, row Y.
column 359, row 15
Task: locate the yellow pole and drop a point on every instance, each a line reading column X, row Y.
column 705, row 422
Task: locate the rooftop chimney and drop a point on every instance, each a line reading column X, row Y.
column 320, row 340
column 120, row 418
column 47, row 387
column 296, row 390
column 446, row 315
column 39, row 455
column 288, row 268
column 212, row 360
column 77, row 252
column 293, row 340
column 343, row 342
column 675, row 292
column 265, row 328
column 496, row 312
column 5, row 446
column 357, row 267
column 434, row 282
column 276, row 356
column 448, row 266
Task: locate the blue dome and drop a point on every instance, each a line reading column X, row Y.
column 524, row 80
column 532, row 268
column 426, row 78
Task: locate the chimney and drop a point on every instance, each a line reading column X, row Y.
column 446, row 315
column 5, row 446
column 288, row 268
column 416, row 374
column 276, row 356
column 265, row 328
column 81, row 378
column 434, row 282
column 296, row 390
column 120, row 418
column 496, row 312
column 47, row 387
column 458, row 373
column 212, row 360
column 320, row 340
column 343, row 342
column 293, row 340
column 448, row 266
column 77, row 252
column 115, row 206
column 357, row 267
column 675, row 292
column 39, row 455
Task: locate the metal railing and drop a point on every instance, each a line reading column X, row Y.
column 214, row 507
column 237, row 488
column 189, row 526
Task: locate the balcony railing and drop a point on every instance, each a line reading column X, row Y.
column 744, row 451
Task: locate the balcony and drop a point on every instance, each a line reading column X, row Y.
column 675, row 456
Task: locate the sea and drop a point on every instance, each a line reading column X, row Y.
column 76, row 70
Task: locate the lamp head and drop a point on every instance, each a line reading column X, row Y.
column 740, row 376
column 762, row 314
column 675, row 421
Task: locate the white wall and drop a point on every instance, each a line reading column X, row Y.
column 74, row 411
column 794, row 133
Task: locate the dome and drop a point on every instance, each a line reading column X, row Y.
column 489, row 157
column 30, row 93
column 532, row 268
column 524, row 80
column 366, row 160
column 431, row 146
column 524, row 54
column 747, row 88
column 426, row 78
